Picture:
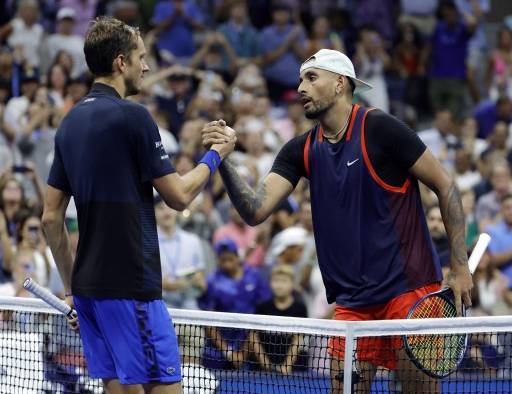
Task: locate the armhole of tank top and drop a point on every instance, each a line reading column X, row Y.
column 396, row 189
column 306, row 153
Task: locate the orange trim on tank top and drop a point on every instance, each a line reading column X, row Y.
column 306, row 153
column 373, row 173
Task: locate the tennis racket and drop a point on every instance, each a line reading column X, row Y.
column 49, row 298
column 438, row 355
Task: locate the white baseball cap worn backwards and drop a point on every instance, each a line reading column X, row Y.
column 336, row 62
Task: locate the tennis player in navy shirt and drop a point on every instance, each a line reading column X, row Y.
column 374, row 250
column 109, row 156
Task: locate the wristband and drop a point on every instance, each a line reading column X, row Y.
column 212, row 160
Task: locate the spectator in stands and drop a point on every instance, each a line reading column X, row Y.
column 16, row 108
column 468, row 205
column 182, row 260
column 371, row 62
column 377, row 13
column 240, row 34
column 441, row 139
column 489, row 112
column 57, row 79
column 25, row 33
column 12, row 202
column 500, row 247
column 438, row 233
column 216, row 55
column 448, row 51
column 30, row 259
column 323, row 37
column 420, row 13
column 488, row 206
column 499, row 69
column 76, row 91
column 175, row 22
column 85, row 11
column 232, row 287
column 65, row 40
column 36, row 141
column 280, row 352
column 287, row 248
column 243, row 235
column 6, row 259
column 468, row 138
column 283, row 49
column 465, row 174
column 497, row 141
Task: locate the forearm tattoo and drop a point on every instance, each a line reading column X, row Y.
column 453, row 217
column 246, row 201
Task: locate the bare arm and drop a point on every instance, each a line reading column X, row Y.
column 429, row 171
column 254, row 206
column 500, row 259
column 54, row 213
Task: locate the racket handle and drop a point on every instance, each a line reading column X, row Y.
column 478, row 251
column 47, row 297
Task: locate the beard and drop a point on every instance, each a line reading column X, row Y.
column 319, row 108
column 131, row 87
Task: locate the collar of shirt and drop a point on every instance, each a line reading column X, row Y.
column 98, row 87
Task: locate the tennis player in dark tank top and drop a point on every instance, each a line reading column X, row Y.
column 374, row 250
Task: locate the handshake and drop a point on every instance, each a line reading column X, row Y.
column 218, row 136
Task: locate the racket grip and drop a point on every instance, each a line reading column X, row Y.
column 47, row 297
column 478, row 251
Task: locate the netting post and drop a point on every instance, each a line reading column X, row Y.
column 349, row 350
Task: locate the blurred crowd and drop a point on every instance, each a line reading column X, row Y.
column 437, row 65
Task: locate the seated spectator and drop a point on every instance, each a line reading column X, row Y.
column 280, row 352
column 499, row 69
column 14, row 115
column 65, row 40
column 487, row 113
column 182, row 260
column 85, row 11
column 441, row 139
column 232, row 287
column 25, row 33
column 439, row 237
column 243, row 235
column 497, row 141
column 30, row 259
column 175, row 22
column 488, row 206
column 465, row 173
column 322, row 37
column 287, row 248
column 6, row 259
column 240, row 34
column 468, row 206
column 500, row 247
column 371, row 62
column 468, row 137
column 283, row 50
column 57, row 79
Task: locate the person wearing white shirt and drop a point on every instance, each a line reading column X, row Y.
column 65, row 40
column 182, row 260
column 24, row 32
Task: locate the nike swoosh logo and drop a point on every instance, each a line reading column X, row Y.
column 349, row 163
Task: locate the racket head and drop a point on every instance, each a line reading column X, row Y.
column 437, row 355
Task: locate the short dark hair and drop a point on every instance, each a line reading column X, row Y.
column 106, row 39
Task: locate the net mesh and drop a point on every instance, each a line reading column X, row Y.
column 40, row 354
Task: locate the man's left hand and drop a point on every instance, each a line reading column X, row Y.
column 461, row 282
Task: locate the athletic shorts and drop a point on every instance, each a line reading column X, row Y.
column 133, row 341
column 380, row 351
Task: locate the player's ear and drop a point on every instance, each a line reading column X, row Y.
column 120, row 64
column 339, row 84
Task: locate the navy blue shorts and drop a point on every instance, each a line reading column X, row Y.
column 133, row 341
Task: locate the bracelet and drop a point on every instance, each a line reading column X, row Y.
column 212, row 160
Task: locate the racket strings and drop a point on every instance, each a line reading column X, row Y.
column 437, row 354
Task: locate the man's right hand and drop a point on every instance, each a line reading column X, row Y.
column 73, row 320
column 217, row 136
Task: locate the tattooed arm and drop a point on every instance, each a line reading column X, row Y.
column 428, row 170
column 254, row 206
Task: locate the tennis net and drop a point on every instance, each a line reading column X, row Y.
column 233, row 353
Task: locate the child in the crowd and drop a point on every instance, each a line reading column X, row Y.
column 280, row 351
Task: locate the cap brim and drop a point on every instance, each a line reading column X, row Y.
column 361, row 86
